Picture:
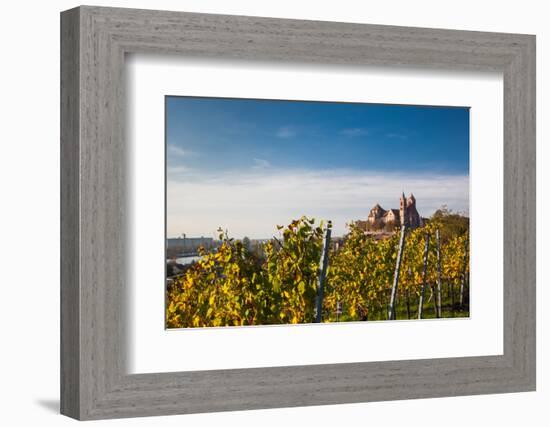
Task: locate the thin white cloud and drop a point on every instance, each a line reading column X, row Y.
column 285, row 132
column 174, row 150
column 354, row 132
column 261, row 164
column 177, row 172
column 252, row 203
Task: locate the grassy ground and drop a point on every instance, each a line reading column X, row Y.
column 448, row 310
column 428, row 312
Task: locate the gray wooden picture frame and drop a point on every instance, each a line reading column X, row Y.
column 94, row 381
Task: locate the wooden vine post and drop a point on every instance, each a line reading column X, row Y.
column 438, row 290
column 323, row 265
column 464, row 268
column 424, row 274
column 408, row 295
column 391, row 308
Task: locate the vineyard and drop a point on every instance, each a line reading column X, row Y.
column 302, row 276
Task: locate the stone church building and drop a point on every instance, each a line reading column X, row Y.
column 406, row 214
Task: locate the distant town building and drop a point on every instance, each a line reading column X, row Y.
column 406, row 214
column 186, row 244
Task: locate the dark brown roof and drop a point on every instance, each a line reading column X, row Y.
column 379, row 207
column 395, row 212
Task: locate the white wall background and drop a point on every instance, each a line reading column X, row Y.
column 29, row 214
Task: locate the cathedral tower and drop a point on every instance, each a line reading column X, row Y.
column 411, row 201
column 403, row 210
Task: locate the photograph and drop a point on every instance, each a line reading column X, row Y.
column 293, row 212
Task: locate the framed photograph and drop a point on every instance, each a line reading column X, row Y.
column 261, row 213
column 238, row 168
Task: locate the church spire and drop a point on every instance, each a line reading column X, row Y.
column 402, row 207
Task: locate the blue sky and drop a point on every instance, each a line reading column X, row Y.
column 240, row 164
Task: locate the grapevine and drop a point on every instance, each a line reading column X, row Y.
column 235, row 286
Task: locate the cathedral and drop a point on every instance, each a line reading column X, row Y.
column 406, row 214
